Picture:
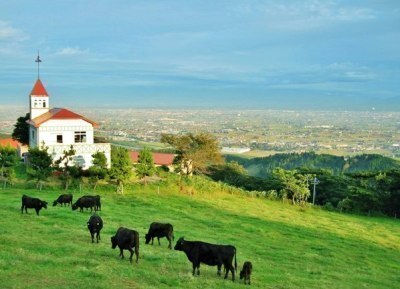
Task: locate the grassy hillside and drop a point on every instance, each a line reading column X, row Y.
column 288, row 246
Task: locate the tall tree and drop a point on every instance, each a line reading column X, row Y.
column 145, row 168
column 195, row 153
column 39, row 165
column 21, row 130
column 121, row 167
column 98, row 171
column 292, row 185
column 8, row 160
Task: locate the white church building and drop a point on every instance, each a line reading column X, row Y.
column 59, row 128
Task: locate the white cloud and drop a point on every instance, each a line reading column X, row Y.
column 72, row 51
column 9, row 33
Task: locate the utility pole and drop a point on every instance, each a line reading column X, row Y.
column 315, row 182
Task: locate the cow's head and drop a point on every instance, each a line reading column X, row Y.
column 113, row 242
column 44, row 204
column 74, row 207
column 55, row 203
column 148, row 238
column 179, row 244
column 242, row 274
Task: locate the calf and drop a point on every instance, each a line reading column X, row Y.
column 210, row 254
column 95, row 224
column 85, row 202
column 160, row 230
column 246, row 271
column 126, row 239
column 63, row 199
column 28, row 202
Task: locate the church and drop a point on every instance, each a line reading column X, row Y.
column 59, row 128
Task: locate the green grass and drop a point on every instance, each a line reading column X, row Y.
column 289, row 247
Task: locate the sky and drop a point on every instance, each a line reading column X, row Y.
column 225, row 54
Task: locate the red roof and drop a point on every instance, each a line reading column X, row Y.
column 39, row 89
column 158, row 158
column 58, row 113
column 9, row 141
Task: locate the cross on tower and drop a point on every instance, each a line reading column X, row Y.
column 38, row 60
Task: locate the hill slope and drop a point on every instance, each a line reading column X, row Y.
column 288, row 246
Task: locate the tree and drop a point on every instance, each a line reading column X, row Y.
column 39, row 165
column 121, row 167
column 195, row 153
column 145, row 167
column 98, row 171
column 63, row 166
column 8, row 160
column 292, row 185
column 21, row 130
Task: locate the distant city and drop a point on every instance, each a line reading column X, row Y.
column 248, row 132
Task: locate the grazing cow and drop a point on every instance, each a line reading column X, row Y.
column 97, row 202
column 28, row 202
column 246, row 271
column 210, row 254
column 85, row 202
column 63, row 199
column 95, row 224
column 160, row 230
column 126, row 239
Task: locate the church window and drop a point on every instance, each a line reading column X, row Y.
column 44, row 103
column 35, row 104
column 33, row 134
column 59, row 138
column 80, row 136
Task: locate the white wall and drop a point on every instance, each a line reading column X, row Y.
column 49, row 130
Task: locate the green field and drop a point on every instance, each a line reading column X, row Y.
column 289, row 247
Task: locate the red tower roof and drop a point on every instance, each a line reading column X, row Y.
column 58, row 113
column 39, row 89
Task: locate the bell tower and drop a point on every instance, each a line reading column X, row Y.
column 38, row 99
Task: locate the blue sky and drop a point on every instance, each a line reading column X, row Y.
column 255, row 54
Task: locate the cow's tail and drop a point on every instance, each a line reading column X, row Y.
column 235, row 262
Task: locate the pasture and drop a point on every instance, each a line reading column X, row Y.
column 289, row 247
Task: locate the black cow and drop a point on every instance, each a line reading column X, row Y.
column 126, row 239
column 28, row 202
column 246, row 271
column 210, row 254
column 63, row 199
column 97, row 202
column 95, row 224
column 160, row 230
column 85, row 202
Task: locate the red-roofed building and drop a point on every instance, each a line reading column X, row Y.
column 9, row 142
column 160, row 159
column 59, row 128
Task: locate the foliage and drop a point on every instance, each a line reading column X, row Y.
column 145, row 168
column 263, row 167
column 195, row 153
column 292, row 185
column 21, row 130
column 8, row 161
column 64, row 166
column 121, row 167
column 98, row 170
column 39, row 165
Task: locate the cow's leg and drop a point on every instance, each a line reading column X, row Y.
column 37, row 211
column 91, row 234
column 169, row 240
column 219, row 269
column 22, row 209
column 194, row 268
column 130, row 257
column 152, row 240
column 158, row 238
column 98, row 234
column 137, row 253
column 198, row 269
column 121, row 253
column 26, row 210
